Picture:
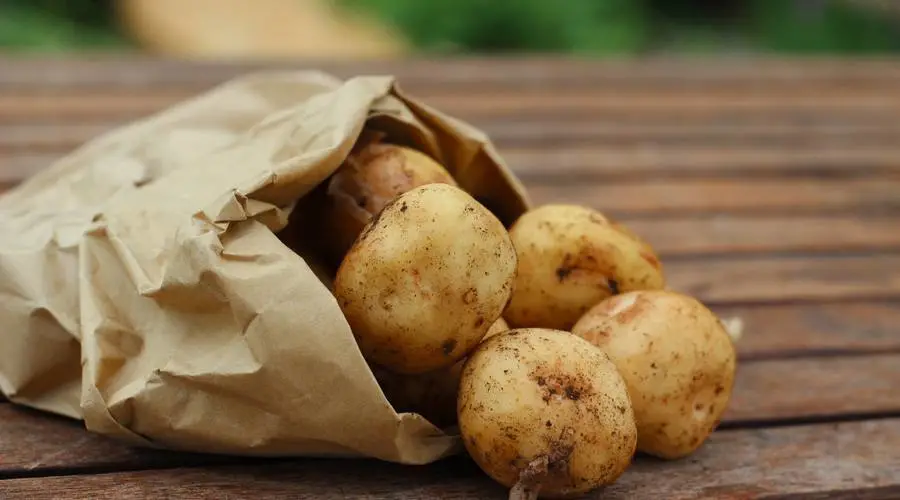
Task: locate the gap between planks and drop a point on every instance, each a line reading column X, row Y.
column 855, row 458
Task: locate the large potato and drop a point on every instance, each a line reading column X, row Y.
column 426, row 279
column 370, row 177
column 570, row 258
column 545, row 412
column 677, row 360
column 432, row 394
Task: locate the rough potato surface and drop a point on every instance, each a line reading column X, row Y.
column 426, row 279
column 677, row 360
column 548, row 407
column 570, row 258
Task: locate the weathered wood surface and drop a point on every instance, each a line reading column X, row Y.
column 638, row 164
column 766, row 392
column 770, row 188
column 846, row 460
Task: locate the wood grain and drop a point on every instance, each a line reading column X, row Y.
column 827, row 328
column 770, row 188
column 809, row 388
column 765, row 392
column 856, row 458
column 134, row 71
column 631, row 164
column 692, row 234
column 678, row 163
column 680, row 196
column 788, row 278
column 36, row 443
column 739, row 234
column 502, row 102
column 62, row 136
column 676, row 196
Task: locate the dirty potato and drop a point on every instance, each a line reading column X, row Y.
column 426, row 279
column 545, row 413
column 570, row 258
column 369, row 178
column 677, row 360
column 433, row 394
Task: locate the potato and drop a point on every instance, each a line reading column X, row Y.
column 545, row 413
column 426, row 279
column 570, row 258
column 677, row 360
column 369, row 178
column 433, row 394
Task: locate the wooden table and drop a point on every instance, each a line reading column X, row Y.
column 771, row 190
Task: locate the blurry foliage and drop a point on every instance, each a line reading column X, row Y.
column 823, row 26
column 515, row 25
column 57, row 24
column 597, row 27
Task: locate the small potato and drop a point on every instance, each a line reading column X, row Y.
column 433, row 394
column 570, row 258
column 545, row 413
column 370, row 178
column 678, row 362
column 426, row 279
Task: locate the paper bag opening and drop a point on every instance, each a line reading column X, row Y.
column 202, row 326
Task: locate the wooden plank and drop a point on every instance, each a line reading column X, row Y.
column 670, row 197
column 134, row 70
column 556, row 134
column 773, row 331
column 628, row 163
column 664, row 196
column 719, row 196
column 845, row 460
column 733, row 235
column 33, row 442
column 501, row 102
column 711, row 160
column 769, row 280
column 769, row 391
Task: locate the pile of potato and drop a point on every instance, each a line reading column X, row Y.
column 553, row 344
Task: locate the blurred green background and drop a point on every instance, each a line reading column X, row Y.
column 599, row 27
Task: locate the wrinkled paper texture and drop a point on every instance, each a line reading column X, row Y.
column 146, row 285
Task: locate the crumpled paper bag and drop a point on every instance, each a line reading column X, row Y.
column 147, row 286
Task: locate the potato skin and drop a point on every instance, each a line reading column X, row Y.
column 677, row 360
column 532, row 394
column 426, row 279
column 370, row 177
column 432, row 394
column 570, row 258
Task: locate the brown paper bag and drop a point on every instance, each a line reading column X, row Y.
column 146, row 287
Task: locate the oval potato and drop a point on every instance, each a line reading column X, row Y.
column 677, row 360
column 426, row 279
column 545, row 412
column 570, row 258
